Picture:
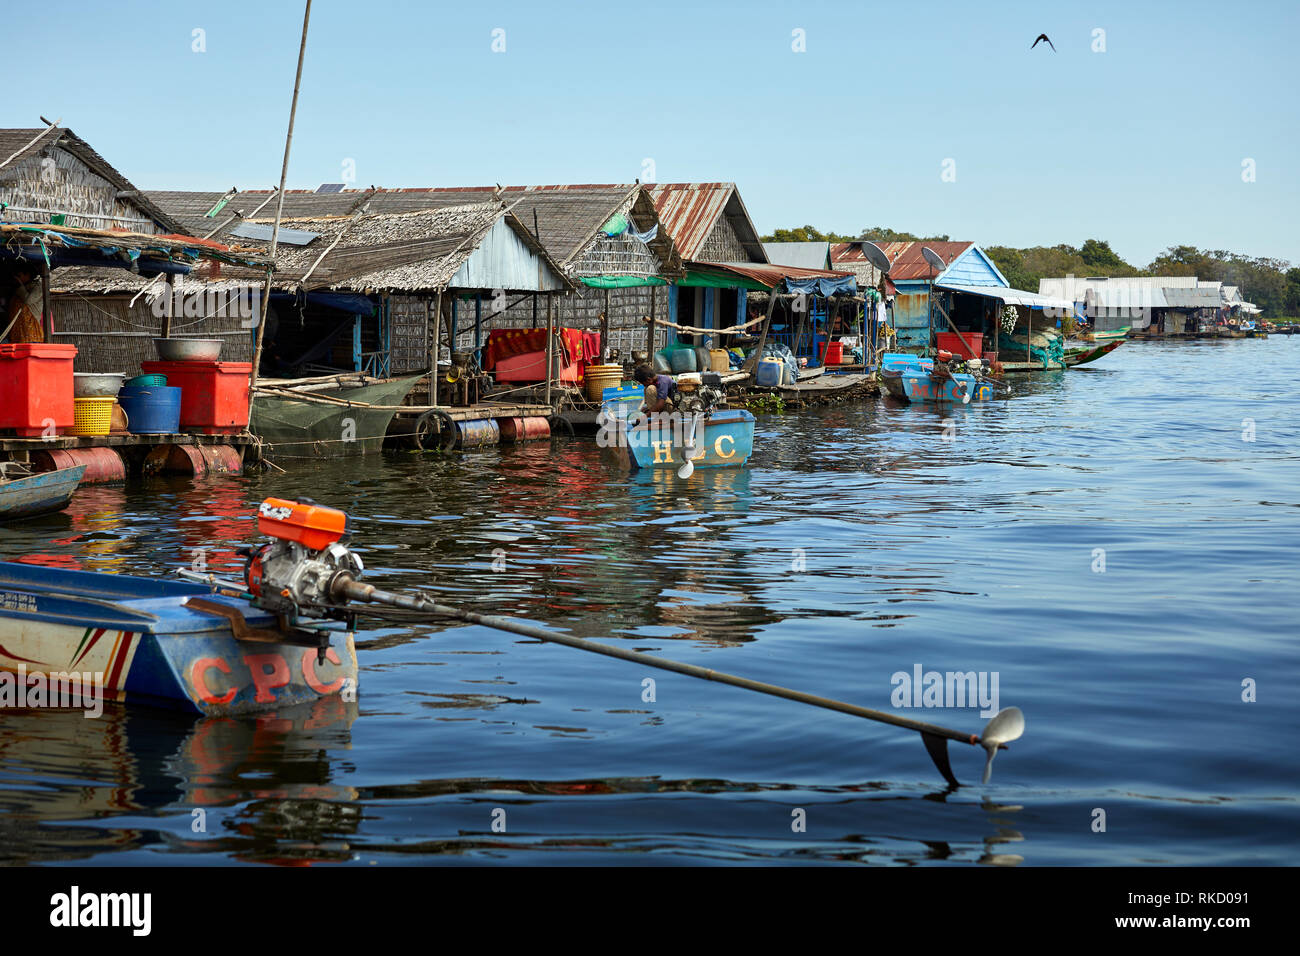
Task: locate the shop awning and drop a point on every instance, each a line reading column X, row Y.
column 1011, row 296
column 763, row 277
column 620, row 282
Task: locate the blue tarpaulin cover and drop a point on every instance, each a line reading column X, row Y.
column 822, row 285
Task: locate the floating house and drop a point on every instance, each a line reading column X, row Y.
column 357, row 289
column 606, row 239
column 959, row 306
column 709, row 223
column 1151, row 306
column 52, row 176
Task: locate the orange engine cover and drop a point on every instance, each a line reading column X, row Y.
column 313, row 526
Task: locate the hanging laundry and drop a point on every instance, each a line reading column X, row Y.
column 647, row 237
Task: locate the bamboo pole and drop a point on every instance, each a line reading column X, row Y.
column 279, row 203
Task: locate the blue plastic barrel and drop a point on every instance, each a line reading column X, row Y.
column 151, row 409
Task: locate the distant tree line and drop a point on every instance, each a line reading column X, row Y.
column 1272, row 284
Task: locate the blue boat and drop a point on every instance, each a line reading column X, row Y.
column 168, row 643
column 722, row 439
column 909, row 378
column 38, row 494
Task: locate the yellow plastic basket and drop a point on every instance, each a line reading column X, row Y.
column 92, row 416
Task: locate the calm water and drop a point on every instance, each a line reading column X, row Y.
column 956, row 548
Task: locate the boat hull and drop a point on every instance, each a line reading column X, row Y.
column 136, row 639
column 1083, row 356
column 665, row 442
column 1112, row 335
column 40, row 494
column 913, row 383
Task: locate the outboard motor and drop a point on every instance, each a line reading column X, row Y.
column 297, row 573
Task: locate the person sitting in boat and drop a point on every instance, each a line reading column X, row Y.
column 660, row 390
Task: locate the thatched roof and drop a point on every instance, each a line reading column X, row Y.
column 568, row 218
column 17, row 145
column 363, row 252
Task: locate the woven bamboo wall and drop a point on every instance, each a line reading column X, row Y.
column 409, row 315
column 113, row 336
column 60, row 182
column 722, row 244
column 578, row 310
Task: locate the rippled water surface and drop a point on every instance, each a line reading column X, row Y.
column 957, row 547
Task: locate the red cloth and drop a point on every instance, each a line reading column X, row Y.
column 580, row 348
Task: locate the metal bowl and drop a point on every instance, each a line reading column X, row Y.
column 96, row 384
column 188, row 350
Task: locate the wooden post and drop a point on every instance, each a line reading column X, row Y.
column 435, row 348
column 1029, row 337
column 47, row 317
column 757, row 355
column 173, row 294
column 650, row 331
column 550, row 343
column 604, row 330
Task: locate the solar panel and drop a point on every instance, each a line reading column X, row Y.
column 262, row 232
column 330, row 188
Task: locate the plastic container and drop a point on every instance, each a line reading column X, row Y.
column 36, row 388
column 151, row 410
column 143, row 380
column 92, row 416
column 703, row 359
column 834, row 354
column 721, row 360
column 214, row 395
column 770, row 372
column 966, row 345
column 661, row 364
column 682, row 360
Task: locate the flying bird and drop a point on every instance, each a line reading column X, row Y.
column 1041, row 38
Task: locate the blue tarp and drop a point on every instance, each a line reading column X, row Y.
column 348, row 302
column 822, row 285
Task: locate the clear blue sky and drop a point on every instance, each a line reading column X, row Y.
column 1141, row 145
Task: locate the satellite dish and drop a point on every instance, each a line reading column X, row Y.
column 876, row 256
column 933, row 258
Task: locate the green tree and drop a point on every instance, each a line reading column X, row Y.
column 1097, row 255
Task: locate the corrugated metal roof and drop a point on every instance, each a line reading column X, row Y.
column 1200, row 298
column 803, row 255
column 769, row 274
column 1012, row 296
column 690, row 211
column 1135, row 297
column 1075, row 286
column 908, row 263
